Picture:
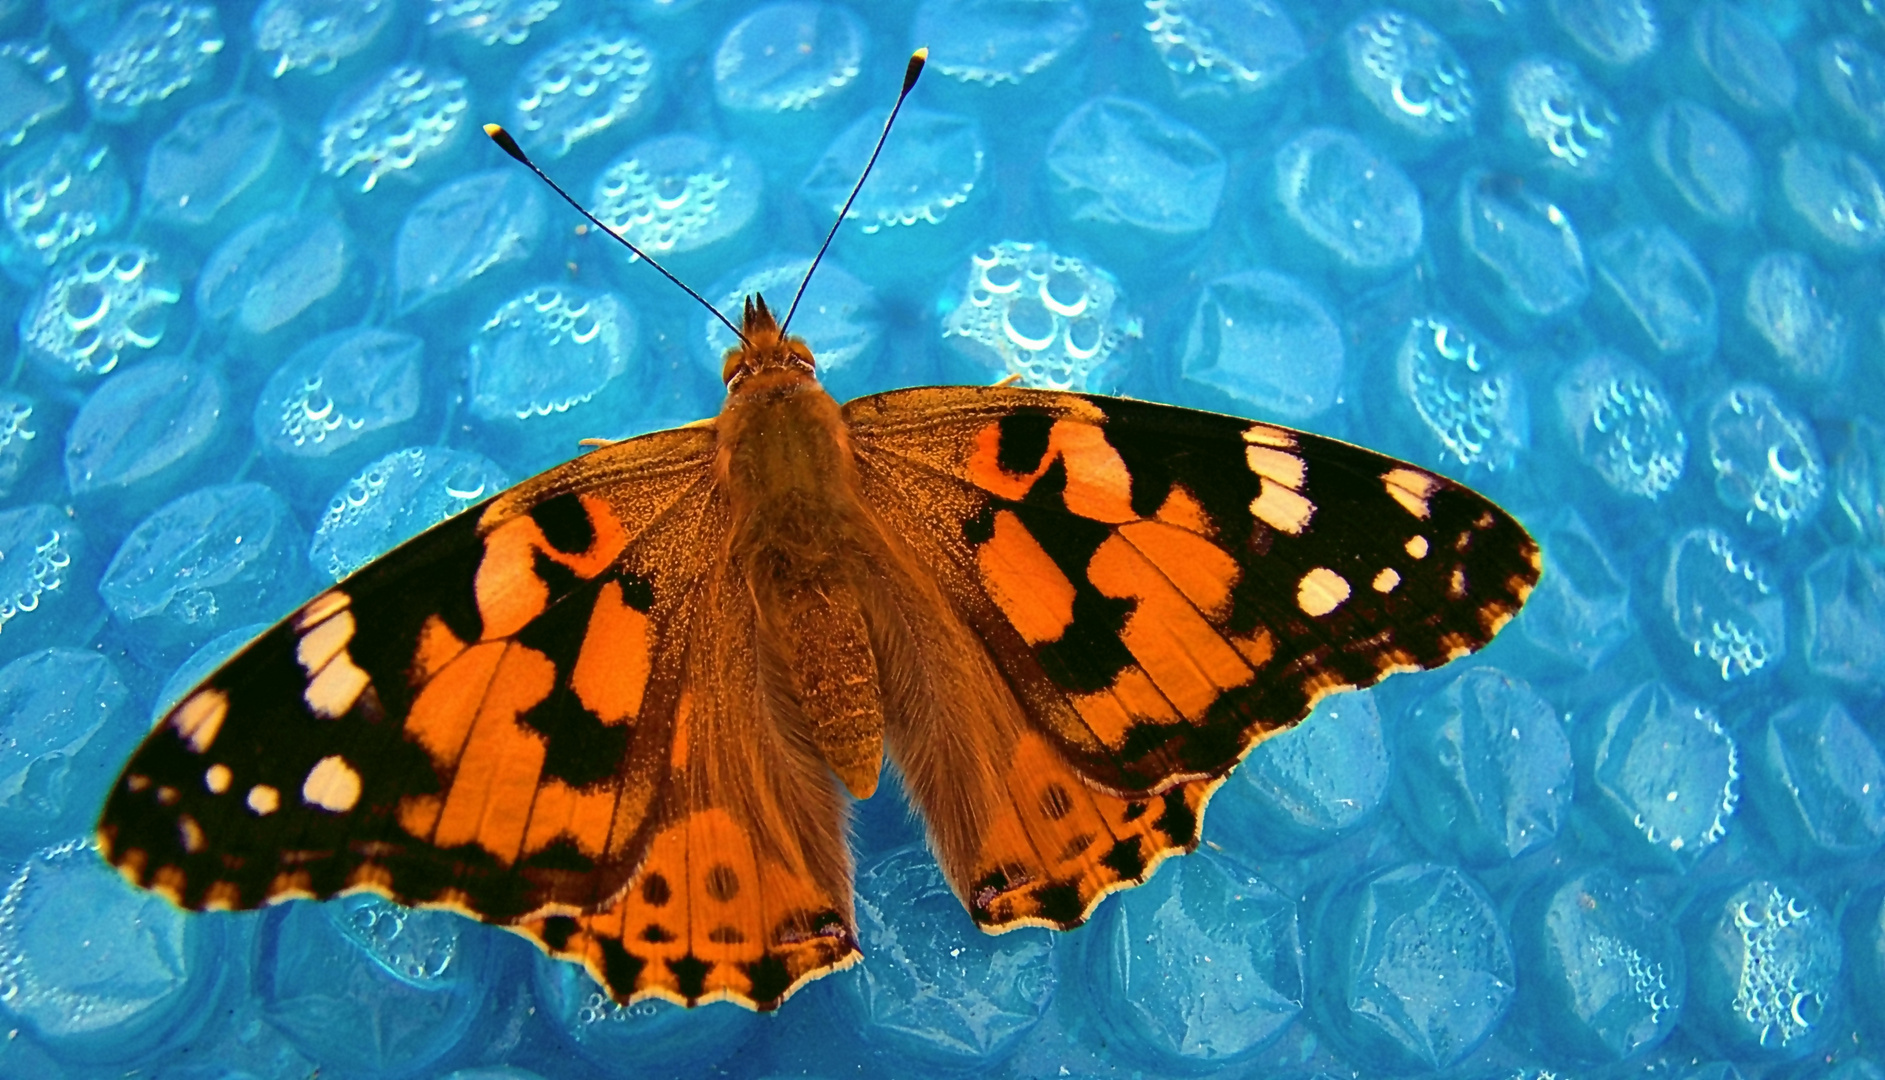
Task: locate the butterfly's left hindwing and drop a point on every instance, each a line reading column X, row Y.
column 1161, row 589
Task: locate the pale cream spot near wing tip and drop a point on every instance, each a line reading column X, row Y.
column 332, row 693
column 191, row 835
column 324, row 641
column 1281, row 508
column 216, row 778
column 332, row 785
column 1417, row 547
column 1387, row 580
column 1411, row 488
column 200, row 717
column 1456, row 584
column 1321, row 591
column 1271, row 436
column 1279, row 465
column 322, row 608
column 264, row 800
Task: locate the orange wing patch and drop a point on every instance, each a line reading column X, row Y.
column 1190, row 664
column 1224, row 575
column 562, row 713
column 457, row 724
column 1059, row 846
column 1098, row 485
column 611, row 674
column 1022, row 579
column 707, row 918
column 580, row 533
column 497, row 771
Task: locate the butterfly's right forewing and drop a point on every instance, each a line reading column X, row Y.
column 1160, row 589
column 516, row 715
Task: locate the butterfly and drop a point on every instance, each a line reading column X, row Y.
column 621, row 708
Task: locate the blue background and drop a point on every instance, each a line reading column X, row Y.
column 1614, row 262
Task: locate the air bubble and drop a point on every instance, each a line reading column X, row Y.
column 409, row 113
column 1051, row 319
column 580, row 88
column 1466, row 396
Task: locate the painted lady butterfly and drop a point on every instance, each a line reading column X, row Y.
column 617, row 708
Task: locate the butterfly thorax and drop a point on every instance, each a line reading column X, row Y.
column 804, row 544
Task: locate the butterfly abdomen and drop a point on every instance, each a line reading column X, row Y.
column 802, row 541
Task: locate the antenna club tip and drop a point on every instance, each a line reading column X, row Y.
column 921, row 55
column 504, row 141
column 917, row 60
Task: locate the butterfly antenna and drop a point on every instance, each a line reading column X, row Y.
column 509, row 145
column 915, row 68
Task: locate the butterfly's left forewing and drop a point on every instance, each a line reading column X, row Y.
column 503, row 717
column 1160, row 589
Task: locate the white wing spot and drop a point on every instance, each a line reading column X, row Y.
column 1265, row 435
column 1321, row 591
column 217, row 778
column 1281, row 508
column 264, row 800
column 332, row 785
column 321, row 608
column 1386, row 580
column 1411, row 489
column 327, row 640
column 1417, row 547
column 331, row 693
column 200, row 717
column 1279, row 465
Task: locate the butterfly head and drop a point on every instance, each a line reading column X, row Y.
column 765, row 348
